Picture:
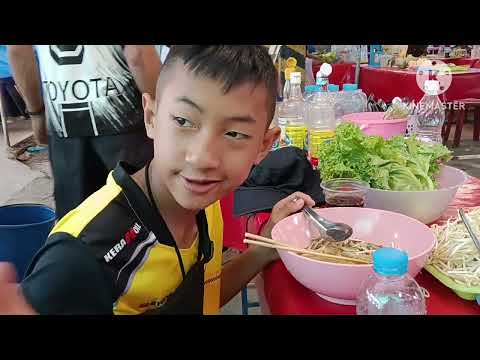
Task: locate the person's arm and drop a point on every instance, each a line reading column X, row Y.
column 144, row 63
column 244, row 267
column 27, row 78
column 65, row 279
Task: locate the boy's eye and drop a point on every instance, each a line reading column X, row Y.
column 182, row 122
column 236, row 135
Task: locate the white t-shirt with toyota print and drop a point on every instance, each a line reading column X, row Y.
column 88, row 90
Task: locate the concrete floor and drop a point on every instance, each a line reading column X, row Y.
column 32, row 183
column 16, row 176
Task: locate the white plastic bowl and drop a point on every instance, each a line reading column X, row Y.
column 425, row 206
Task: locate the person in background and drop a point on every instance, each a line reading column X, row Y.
column 417, row 50
column 12, row 102
column 91, row 98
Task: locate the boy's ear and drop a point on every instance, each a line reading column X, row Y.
column 270, row 137
column 149, row 113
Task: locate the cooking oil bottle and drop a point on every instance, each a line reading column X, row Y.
column 291, row 116
column 321, row 116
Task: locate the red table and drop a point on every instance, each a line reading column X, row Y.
column 283, row 295
column 386, row 83
column 459, row 61
column 342, row 73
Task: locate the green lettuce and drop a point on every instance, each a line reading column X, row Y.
column 402, row 164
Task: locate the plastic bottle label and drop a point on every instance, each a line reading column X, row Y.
column 316, row 138
column 297, row 136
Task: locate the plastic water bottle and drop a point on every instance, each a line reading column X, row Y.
column 390, row 290
column 337, row 99
column 310, row 90
column 287, row 86
column 364, row 54
column 354, row 100
column 376, row 51
column 429, row 115
column 475, row 52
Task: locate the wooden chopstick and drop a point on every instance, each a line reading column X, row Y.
column 261, row 238
column 269, row 243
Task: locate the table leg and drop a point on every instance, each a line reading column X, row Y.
column 476, row 124
column 459, row 128
column 450, row 121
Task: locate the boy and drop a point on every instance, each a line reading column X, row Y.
column 150, row 242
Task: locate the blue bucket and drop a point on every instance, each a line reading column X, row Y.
column 24, row 228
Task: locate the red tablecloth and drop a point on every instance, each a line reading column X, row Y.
column 386, row 83
column 459, row 61
column 284, row 295
column 342, row 73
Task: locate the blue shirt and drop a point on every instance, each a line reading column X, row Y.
column 4, row 67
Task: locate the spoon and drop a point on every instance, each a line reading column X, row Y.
column 331, row 231
column 467, row 224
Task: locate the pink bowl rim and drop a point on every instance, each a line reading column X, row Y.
column 423, row 253
column 444, row 189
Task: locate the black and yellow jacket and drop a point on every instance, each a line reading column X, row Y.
column 134, row 272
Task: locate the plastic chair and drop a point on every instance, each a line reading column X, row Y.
column 456, row 115
column 246, row 304
column 233, row 235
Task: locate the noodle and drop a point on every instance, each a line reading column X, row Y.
column 351, row 248
column 455, row 254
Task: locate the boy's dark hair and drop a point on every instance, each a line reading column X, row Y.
column 232, row 65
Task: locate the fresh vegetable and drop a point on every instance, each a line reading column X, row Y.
column 398, row 164
column 455, row 254
column 329, row 57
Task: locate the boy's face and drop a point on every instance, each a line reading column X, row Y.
column 206, row 141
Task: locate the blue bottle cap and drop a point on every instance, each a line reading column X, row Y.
column 333, row 88
column 312, row 88
column 350, row 87
column 390, row 262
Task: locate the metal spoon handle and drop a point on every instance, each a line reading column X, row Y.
column 322, row 223
column 469, row 229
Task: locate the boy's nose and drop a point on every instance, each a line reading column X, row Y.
column 203, row 154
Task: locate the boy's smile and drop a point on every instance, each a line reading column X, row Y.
column 200, row 186
column 205, row 140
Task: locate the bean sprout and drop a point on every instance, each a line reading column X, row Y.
column 455, row 254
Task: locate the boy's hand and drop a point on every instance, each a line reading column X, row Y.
column 243, row 268
column 286, row 207
column 12, row 301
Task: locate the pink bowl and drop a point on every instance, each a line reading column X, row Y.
column 372, row 123
column 340, row 283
